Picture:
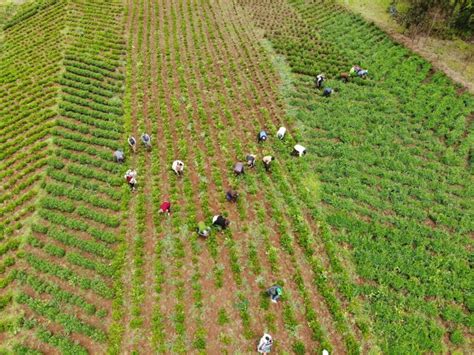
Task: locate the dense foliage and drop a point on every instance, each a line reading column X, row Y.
column 436, row 16
column 394, row 156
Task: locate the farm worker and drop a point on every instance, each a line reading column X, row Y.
column 251, row 160
column 119, row 157
column 262, row 136
column 132, row 183
column 362, row 73
column 239, row 168
column 281, row 133
column 165, row 207
column 265, row 344
column 178, row 167
column 275, row 293
column 267, row 159
column 132, row 142
column 327, row 92
column 354, row 70
column 231, row 196
column 319, row 81
column 130, row 177
column 146, row 139
column 219, row 220
column 203, row 230
column 299, row 150
column 344, row 77
column 130, row 173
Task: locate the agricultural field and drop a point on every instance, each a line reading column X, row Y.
column 369, row 234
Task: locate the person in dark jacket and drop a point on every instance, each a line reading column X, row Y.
column 327, row 92
column 319, row 81
column 231, row 196
column 251, row 160
column 275, row 293
column 132, row 142
column 219, row 220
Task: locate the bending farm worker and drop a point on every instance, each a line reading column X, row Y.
column 267, row 159
column 165, row 207
column 299, row 150
column 344, row 77
column 146, row 139
column 132, row 142
column 203, row 230
column 265, row 344
column 275, row 293
column 231, row 196
column 327, row 92
column 239, row 168
column 219, row 220
column 119, row 157
column 281, row 133
column 251, row 160
column 319, row 81
column 262, row 136
column 354, row 70
column 178, row 167
column 130, row 177
column 362, row 73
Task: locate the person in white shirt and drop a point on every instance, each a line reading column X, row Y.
column 178, row 167
column 319, row 81
column 267, row 159
column 265, row 344
column 281, row 132
column 299, row 150
column 131, row 177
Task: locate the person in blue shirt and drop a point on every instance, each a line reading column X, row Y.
column 262, row 136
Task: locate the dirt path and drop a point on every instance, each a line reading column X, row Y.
column 128, row 335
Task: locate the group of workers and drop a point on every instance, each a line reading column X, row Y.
column 274, row 292
column 298, row 150
column 355, row 71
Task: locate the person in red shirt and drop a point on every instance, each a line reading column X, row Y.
column 165, row 207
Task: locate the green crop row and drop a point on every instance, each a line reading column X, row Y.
column 50, row 288
column 98, row 286
column 70, row 240
column 78, row 225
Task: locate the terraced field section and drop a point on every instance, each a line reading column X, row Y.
column 28, row 108
column 63, row 117
column 393, row 154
